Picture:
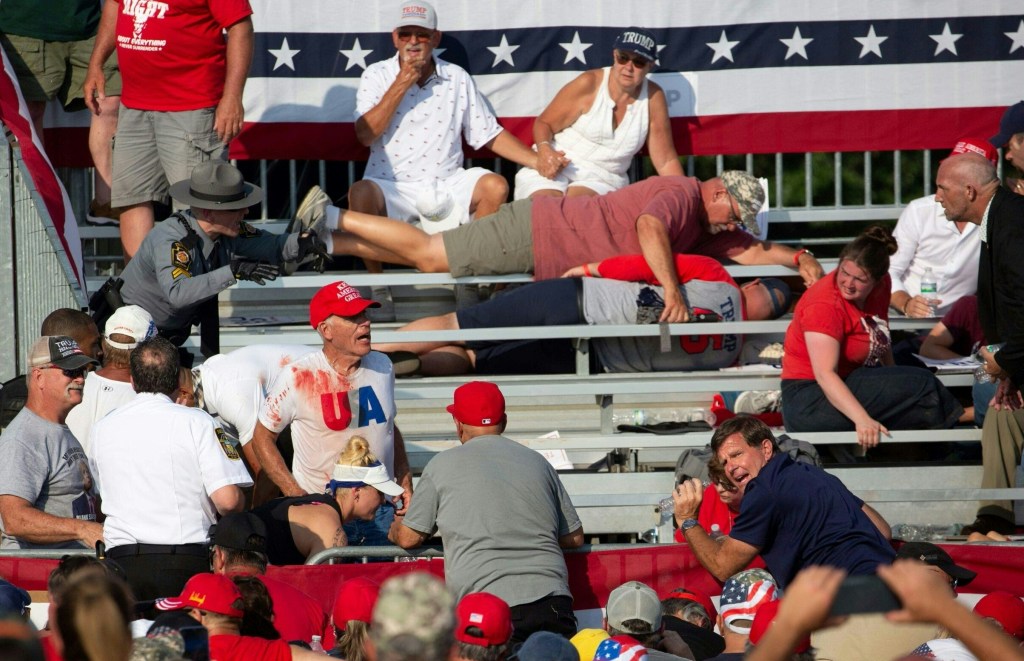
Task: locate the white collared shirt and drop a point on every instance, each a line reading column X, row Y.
column 927, row 239
column 423, row 141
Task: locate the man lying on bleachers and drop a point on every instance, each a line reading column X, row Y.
column 619, row 290
column 655, row 217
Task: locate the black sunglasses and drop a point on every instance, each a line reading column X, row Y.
column 71, row 374
column 638, row 61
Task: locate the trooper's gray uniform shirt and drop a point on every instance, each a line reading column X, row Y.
column 170, row 276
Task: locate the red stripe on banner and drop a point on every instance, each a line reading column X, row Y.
column 14, row 115
column 789, row 132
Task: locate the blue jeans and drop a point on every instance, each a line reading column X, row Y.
column 982, row 394
column 371, row 533
column 898, row 397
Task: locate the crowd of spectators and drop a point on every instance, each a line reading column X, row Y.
column 182, row 480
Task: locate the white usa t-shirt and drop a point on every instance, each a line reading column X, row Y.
column 325, row 409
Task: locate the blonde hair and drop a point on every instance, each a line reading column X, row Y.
column 356, row 453
column 351, row 641
column 94, row 618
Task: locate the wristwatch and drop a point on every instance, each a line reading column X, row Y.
column 688, row 523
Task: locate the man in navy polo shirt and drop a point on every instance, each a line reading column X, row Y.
column 793, row 515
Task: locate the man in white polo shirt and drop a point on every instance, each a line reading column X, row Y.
column 413, row 111
column 164, row 473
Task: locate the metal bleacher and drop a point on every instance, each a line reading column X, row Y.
column 614, row 498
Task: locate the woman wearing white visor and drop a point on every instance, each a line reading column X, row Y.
column 304, row 525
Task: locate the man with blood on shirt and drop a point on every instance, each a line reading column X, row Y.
column 327, row 397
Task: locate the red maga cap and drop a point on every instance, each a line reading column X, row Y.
column 355, row 601
column 214, row 593
column 338, row 298
column 978, row 146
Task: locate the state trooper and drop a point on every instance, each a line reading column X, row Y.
column 187, row 260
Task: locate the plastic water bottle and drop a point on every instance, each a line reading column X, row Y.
column 641, row 417
column 980, row 375
column 929, row 289
column 316, row 645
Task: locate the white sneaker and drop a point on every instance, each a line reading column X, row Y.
column 758, row 401
column 386, row 312
column 311, row 210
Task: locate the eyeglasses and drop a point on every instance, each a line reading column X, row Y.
column 734, row 216
column 638, row 61
column 76, row 373
column 418, row 35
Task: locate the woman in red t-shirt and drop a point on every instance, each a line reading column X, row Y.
column 838, row 372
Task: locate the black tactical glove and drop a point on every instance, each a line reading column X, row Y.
column 258, row 272
column 312, row 248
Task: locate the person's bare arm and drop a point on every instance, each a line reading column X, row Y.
column 315, row 528
column 926, row 597
column 95, row 86
column 804, row 609
column 657, row 251
column 510, row 147
column 574, row 99
column 823, row 350
column 372, row 124
column 230, row 113
column 938, row 342
column 24, row 521
column 404, row 536
column 264, row 443
column 722, row 557
column 572, row 540
column 878, row 520
column 766, row 252
column 660, row 145
column 403, row 475
column 228, row 499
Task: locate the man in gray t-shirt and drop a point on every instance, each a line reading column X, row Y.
column 503, row 516
column 47, row 498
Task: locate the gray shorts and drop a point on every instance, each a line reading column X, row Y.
column 153, row 150
column 48, row 69
column 493, row 245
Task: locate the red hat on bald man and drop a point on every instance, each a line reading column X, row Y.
column 479, row 404
column 338, row 298
column 978, row 146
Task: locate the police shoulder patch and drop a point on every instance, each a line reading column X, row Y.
column 225, row 444
column 181, row 260
column 247, row 231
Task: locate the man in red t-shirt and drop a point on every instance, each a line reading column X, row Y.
column 547, row 236
column 181, row 99
column 240, row 547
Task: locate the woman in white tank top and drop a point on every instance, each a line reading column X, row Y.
column 600, row 121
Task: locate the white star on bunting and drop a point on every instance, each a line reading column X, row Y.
column 503, row 52
column 870, row 43
column 283, row 56
column 797, row 44
column 1017, row 37
column 945, row 41
column 574, row 49
column 356, row 55
column 723, row 48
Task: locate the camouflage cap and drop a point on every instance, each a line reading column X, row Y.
column 414, row 616
column 166, row 646
column 748, row 194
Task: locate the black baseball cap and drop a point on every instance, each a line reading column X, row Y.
column 930, row 554
column 242, row 531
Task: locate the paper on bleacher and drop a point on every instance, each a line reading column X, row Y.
column 950, row 365
column 557, row 457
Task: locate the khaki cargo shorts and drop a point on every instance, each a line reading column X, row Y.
column 56, row 69
column 493, row 245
